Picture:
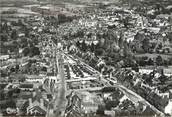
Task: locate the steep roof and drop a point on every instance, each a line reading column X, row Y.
column 38, row 109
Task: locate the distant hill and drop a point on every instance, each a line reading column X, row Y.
column 16, row 3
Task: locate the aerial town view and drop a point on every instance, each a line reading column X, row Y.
column 85, row 58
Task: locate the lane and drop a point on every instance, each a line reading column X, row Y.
column 56, row 107
column 60, row 101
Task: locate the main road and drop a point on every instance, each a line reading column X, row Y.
column 58, row 104
column 60, row 99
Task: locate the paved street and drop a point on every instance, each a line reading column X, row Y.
column 59, row 100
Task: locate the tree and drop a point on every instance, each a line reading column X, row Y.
column 99, row 52
column 34, row 51
column 145, row 45
column 44, row 69
column 84, row 46
column 150, row 62
column 62, row 18
column 162, row 78
column 21, row 77
column 108, row 89
column 23, row 42
column 98, row 45
column 135, row 67
column 127, row 105
column 169, row 35
column 92, row 47
column 2, row 95
column 26, row 51
column 110, row 104
column 126, row 49
column 4, row 37
column 159, row 60
column 111, row 37
column 100, row 110
column 121, row 40
column 78, row 44
column 14, row 34
column 126, row 22
column 138, row 36
column 5, row 27
column 146, row 78
column 20, row 22
column 3, row 73
column 17, row 68
column 26, row 31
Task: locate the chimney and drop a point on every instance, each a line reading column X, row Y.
column 30, row 101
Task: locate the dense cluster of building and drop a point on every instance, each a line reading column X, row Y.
column 116, row 58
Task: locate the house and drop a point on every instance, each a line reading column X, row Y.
column 148, row 112
column 34, row 78
column 35, row 105
column 73, row 108
column 21, row 102
column 89, row 102
column 168, row 108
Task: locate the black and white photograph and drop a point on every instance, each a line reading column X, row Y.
column 85, row 58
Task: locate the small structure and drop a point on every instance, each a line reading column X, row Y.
column 26, row 87
column 34, row 78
